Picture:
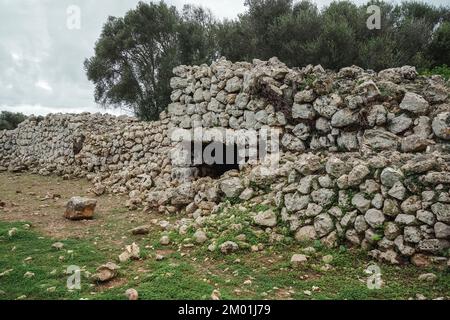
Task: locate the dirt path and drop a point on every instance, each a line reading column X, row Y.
column 41, row 201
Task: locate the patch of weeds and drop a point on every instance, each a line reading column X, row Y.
column 265, row 188
column 47, row 264
column 377, row 237
column 443, row 71
column 369, row 196
column 234, row 200
column 318, row 245
column 386, row 93
column 261, row 208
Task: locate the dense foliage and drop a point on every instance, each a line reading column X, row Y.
column 135, row 54
column 10, row 120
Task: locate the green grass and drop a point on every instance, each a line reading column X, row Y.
column 48, row 264
column 443, row 71
column 197, row 272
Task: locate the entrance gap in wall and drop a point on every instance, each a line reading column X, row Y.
column 226, row 158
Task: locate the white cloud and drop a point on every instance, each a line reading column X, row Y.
column 42, row 84
column 44, row 110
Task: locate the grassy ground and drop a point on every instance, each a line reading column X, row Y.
column 185, row 273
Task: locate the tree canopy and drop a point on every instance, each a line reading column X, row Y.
column 10, row 120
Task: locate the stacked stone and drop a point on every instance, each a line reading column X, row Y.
column 397, row 204
column 319, row 110
column 119, row 154
column 130, row 158
column 220, row 95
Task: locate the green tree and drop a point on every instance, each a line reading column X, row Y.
column 338, row 40
column 261, row 17
column 133, row 57
column 136, row 54
column 10, row 120
column 197, row 36
column 440, row 45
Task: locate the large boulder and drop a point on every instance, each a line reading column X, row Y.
column 390, row 176
column 442, row 211
column 303, row 111
column 323, row 224
column 400, row 124
column 441, row 125
column 79, row 208
column 381, row 140
column 414, row 103
column 374, row 218
column 306, row 233
column 231, row 187
column 266, row 219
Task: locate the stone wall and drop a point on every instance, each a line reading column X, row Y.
column 120, row 154
column 394, row 109
column 364, row 156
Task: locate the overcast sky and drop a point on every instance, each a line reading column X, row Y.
column 41, row 60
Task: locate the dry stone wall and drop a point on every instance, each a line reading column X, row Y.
column 364, row 156
column 119, row 154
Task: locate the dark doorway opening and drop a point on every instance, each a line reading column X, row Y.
column 78, row 144
column 215, row 159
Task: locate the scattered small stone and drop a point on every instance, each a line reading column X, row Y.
column 420, row 260
column 132, row 294
column 266, row 219
column 298, row 260
column 160, row 257
column 131, row 252
column 216, row 295
column 51, row 289
column 307, row 293
column 200, row 236
column 327, row 259
column 142, row 230
column 58, row 245
column 308, row 250
column 228, row 247
column 420, row 296
column 99, row 189
column 165, row 240
column 5, row 273
column 106, row 272
column 29, row 275
column 326, row 268
column 428, row 277
column 12, row 232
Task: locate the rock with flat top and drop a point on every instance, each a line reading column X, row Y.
column 106, row 272
column 79, row 208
